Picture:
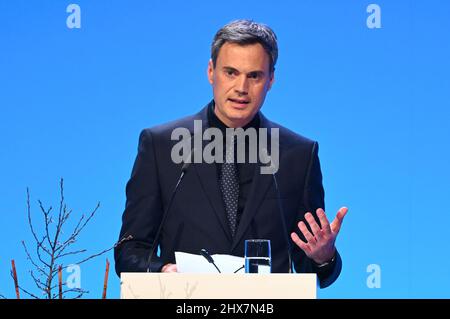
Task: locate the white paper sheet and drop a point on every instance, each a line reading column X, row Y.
column 190, row 263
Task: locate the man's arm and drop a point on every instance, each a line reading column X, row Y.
column 143, row 212
column 309, row 253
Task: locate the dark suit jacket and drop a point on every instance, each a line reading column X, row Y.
column 197, row 217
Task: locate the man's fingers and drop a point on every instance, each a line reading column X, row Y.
column 300, row 243
column 323, row 221
column 169, row 268
column 316, row 231
column 337, row 222
column 309, row 237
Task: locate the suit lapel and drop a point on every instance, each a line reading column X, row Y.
column 260, row 185
column 207, row 174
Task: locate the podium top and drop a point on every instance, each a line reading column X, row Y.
column 217, row 286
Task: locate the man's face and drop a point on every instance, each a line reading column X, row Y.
column 240, row 82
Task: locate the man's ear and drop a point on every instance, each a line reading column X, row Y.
column 210, row 72
column 271, row 81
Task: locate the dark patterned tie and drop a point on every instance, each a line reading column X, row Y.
column 229, row 186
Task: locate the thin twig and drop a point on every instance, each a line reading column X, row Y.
column 18, row 287
column 30, row 223
column 40, row 245
column 61, row 203
column 39, row 284
column 29, row 293
column 77, row 230
column 124, row 239
column 70, row 253
column 129, row 237
column 47, row 221
column 93, row 256
column 79, row 290
column 32, row 261
column 66, row 215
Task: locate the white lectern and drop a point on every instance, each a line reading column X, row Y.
column 217, row 286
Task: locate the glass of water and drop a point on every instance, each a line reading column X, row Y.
column 257, row 256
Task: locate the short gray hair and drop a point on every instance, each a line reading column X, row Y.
column 244, row 32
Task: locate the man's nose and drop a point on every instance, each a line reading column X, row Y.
column 242, row 85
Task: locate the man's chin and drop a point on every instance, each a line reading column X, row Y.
column 240, row 118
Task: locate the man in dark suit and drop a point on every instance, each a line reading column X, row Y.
column 219, row 205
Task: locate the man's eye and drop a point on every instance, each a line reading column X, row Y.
column 254, row 76
column 230, row 72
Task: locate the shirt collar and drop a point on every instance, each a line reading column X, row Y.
column 214, row 121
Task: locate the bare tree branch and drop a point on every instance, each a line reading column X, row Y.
column 30, row 223
column 106, row 250
column 39, row 284
column 70, row 253
column 61, row 203
column 122, row 240
column 29, row 293
column 39, row 246
column 80, row 292
column 66, row 215
column 18, row 287
column 95, row 255
column 47, row 221
column 41, row 270
column 47, row 260
column 78, row 228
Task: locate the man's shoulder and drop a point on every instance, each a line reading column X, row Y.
column 185, row 122
column 289, row 138
column 168, row 127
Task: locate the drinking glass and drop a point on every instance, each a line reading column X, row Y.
column 257, row 256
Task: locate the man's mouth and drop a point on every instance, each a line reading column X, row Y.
column 239, row 101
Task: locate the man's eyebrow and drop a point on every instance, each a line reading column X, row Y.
column 257, row 72
column 230, row 68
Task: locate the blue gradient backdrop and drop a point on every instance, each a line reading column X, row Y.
column 73, row 101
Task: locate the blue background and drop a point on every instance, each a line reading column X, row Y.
column 73, row 102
